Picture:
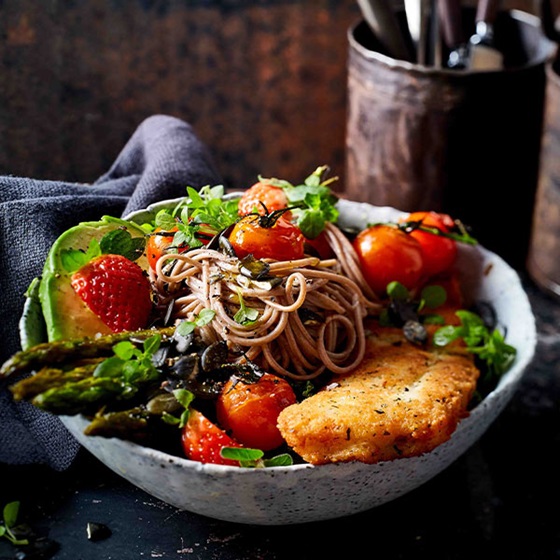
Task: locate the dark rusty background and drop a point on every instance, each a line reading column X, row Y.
column 262, row 82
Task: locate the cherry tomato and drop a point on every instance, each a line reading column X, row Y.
column 282, row 241
column 274, row 198
column 321, row 245
column 388, row 254
column 250, row 410
column 157, row 245
column 439, row 253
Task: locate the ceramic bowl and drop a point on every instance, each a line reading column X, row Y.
column 305, row 493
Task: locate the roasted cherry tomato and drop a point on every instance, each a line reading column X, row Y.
column 264, row 237
column 159, row 242
column 252, row 200
column 321, row 246
column 250, row 410
column 157, row 245
column 388, row 254
column 438, row 252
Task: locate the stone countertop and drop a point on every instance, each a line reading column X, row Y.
column 499, row 500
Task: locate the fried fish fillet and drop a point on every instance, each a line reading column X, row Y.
column 402, row 401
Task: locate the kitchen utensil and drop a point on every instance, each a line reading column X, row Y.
column 483, row 54
column 414, row 19
column 433, row 45
column 383, row 22
column 452, row 32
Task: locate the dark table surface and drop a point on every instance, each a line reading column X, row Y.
column 499, row 500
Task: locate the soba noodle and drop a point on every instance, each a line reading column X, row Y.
column 311, row 321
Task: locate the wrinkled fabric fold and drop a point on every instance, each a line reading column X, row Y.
column 159, row 161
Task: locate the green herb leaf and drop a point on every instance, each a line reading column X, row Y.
column 433, row 296
column 202, row 319
column 245, row 315
column 282, row 460
column 200, row 215
column 397, row 291
column 125, row 350
column 184, row 328
column 433, row 319
column 10, row 514
column 185, row 398
column 313, row 203
column 74, row 259
column 205, row 317
column 120, row 242
column 111, row 367
column 253, row 458
column 130, row 364
column 489, row 346
column 165, row 220
column 241, row 453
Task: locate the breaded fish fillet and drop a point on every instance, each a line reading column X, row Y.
column 402, row 401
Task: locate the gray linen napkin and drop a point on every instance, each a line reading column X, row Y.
column 160, row 160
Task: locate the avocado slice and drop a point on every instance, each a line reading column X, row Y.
column 32, row 329
column 66, row 315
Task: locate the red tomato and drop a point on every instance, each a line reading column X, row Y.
column 202, row 440
column 250, row 410
column 388, row 254
column 439, row 253
column 321, row 245
column 282, row 241
column 274, row 198
column 156, row 246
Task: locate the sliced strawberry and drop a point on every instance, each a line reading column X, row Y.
column 116, row 290
column 203, row 440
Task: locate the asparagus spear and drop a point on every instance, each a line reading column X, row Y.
column 132, row 424
column 76, row 397
column 60, row 351
column 50, row 377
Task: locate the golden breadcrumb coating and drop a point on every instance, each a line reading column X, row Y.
column 401, row 401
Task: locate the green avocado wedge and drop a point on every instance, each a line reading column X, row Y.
column 32, row 328
column 65, row 315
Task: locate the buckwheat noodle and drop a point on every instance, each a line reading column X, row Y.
column 310, row 322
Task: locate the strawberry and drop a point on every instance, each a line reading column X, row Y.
column 116, row 290
column 203, row 440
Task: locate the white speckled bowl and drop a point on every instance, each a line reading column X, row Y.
column 305, row 493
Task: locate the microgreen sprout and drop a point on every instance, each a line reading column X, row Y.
column 10, row 515
column 488, row 345
column 245, row 315
column 202, row 319
column 402, row 307
column 254, row 458
column 185, row 398
column 198, row 217
column 131, row 364
column 312, row 203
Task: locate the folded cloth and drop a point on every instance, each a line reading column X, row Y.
column 160, row 160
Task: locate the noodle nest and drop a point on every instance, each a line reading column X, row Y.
column 305, row 317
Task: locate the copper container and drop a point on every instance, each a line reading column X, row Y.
column 543, row 262
column 463, row 142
